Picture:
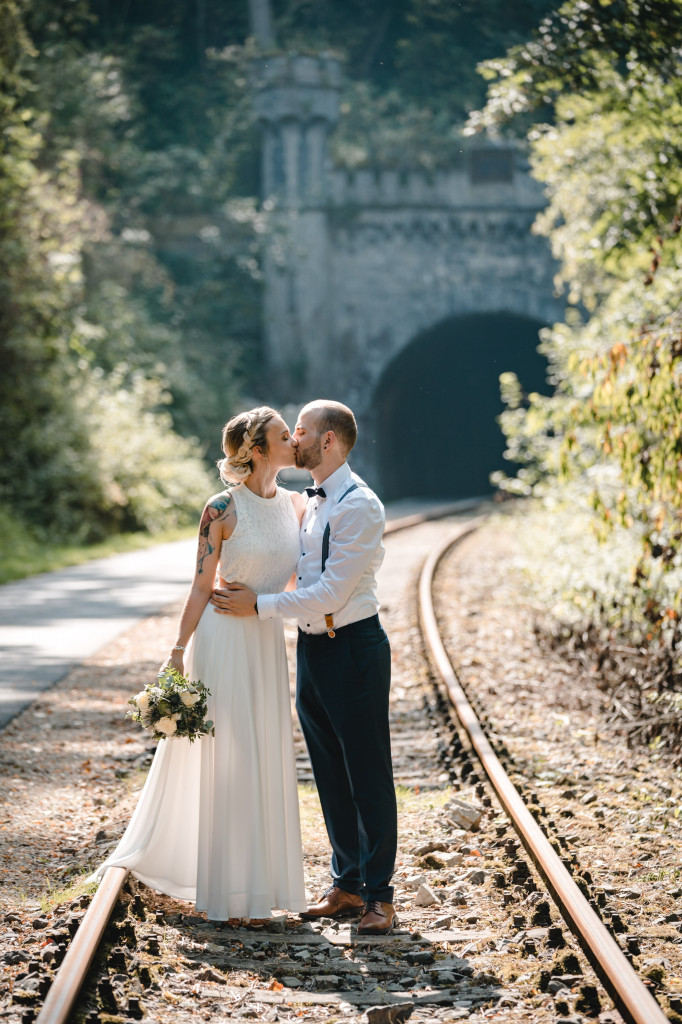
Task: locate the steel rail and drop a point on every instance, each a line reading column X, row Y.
column 74, row 967
column 631, row 997
column 69, row 979
column 436, row 512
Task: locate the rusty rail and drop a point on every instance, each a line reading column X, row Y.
column 429, row 515
column 71, row 974
column 631, row 997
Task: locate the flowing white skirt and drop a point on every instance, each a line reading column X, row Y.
column 217, row 822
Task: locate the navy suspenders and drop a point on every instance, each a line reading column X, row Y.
column 325, row 536
column 329, row 618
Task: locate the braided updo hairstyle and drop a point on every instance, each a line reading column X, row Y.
column 241, row 435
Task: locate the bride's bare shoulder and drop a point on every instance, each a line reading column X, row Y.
column 298, row 501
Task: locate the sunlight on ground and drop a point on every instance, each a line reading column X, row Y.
column 54, row 897
column 422, row 800
column 409, row 800
column 310, row 810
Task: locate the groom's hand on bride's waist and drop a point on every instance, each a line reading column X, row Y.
column 234, row 599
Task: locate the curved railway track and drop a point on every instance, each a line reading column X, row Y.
column 630, row 996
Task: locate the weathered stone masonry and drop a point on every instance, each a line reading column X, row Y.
column 361, row 263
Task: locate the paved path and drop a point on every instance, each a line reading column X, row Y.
column 52, row 622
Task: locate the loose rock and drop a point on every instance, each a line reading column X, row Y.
column 464, row 815
column 395, row 1014
column 425, row 897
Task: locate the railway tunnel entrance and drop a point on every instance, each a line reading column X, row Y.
column 437, row 403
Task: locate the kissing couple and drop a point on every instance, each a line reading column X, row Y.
column 217, row 822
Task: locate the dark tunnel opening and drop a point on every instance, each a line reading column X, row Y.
column 437, row 404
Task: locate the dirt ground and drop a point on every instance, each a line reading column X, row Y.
column 466, row 948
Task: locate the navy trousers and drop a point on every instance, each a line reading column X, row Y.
column 342, row 692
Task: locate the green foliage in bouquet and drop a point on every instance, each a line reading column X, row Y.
column 172, row 707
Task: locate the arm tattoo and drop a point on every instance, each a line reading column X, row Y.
column 216, row 509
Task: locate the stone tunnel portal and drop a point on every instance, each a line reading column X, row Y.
column 437, row 403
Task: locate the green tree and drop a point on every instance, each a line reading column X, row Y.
column 411, row 68
column 608, row 73
column 40, row 241
column 130, row 230
column 52, row 449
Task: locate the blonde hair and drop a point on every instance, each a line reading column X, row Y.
column 241, row 435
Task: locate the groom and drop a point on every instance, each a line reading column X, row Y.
column 343, row 667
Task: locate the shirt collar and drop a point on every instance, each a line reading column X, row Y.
column 333, row 486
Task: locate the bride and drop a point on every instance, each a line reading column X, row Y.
column 217, row 822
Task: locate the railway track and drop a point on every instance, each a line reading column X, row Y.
column 69, row 979
column 630, row 996
column 633, row 1000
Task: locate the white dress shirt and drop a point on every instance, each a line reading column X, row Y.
column 347, row 587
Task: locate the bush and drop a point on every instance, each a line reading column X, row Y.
column 145, row 476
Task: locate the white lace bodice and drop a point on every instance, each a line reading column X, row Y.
column 264, row 547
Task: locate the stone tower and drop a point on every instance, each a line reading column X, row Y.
column 297, row 103
column 363, row 265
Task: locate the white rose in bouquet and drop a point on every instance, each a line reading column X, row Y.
column 142, row 701
column 167, row 726
column 189, row 699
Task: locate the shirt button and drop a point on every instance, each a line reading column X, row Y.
column 300, row 578
column 308, row 625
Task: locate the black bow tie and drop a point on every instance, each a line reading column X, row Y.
column 316, row 492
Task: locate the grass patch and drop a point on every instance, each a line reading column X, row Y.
column 66, row 894
column 410, row 800
column 25, row 553
column 135, row 779
column 661, row 875
column 309, row 806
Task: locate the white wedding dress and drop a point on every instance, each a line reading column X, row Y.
column 217, row 822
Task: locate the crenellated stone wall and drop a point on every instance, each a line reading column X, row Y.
column 360, row 263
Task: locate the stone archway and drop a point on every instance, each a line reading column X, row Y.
column 436, row 404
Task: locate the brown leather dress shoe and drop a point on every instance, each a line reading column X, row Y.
column 377, row 918
column 335, row 902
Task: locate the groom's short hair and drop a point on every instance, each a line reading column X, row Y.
column 337, row 417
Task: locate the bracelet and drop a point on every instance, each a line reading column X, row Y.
column 178, row 647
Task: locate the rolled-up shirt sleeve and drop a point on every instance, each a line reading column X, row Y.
column 356, row 529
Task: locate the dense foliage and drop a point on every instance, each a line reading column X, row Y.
column 130, row 241
column 411, row 67
column 90, row 325
column 129, row 306
column 608, row 72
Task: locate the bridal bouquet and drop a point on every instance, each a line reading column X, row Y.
column 173, row 706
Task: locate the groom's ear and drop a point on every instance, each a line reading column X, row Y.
column 330, row 438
